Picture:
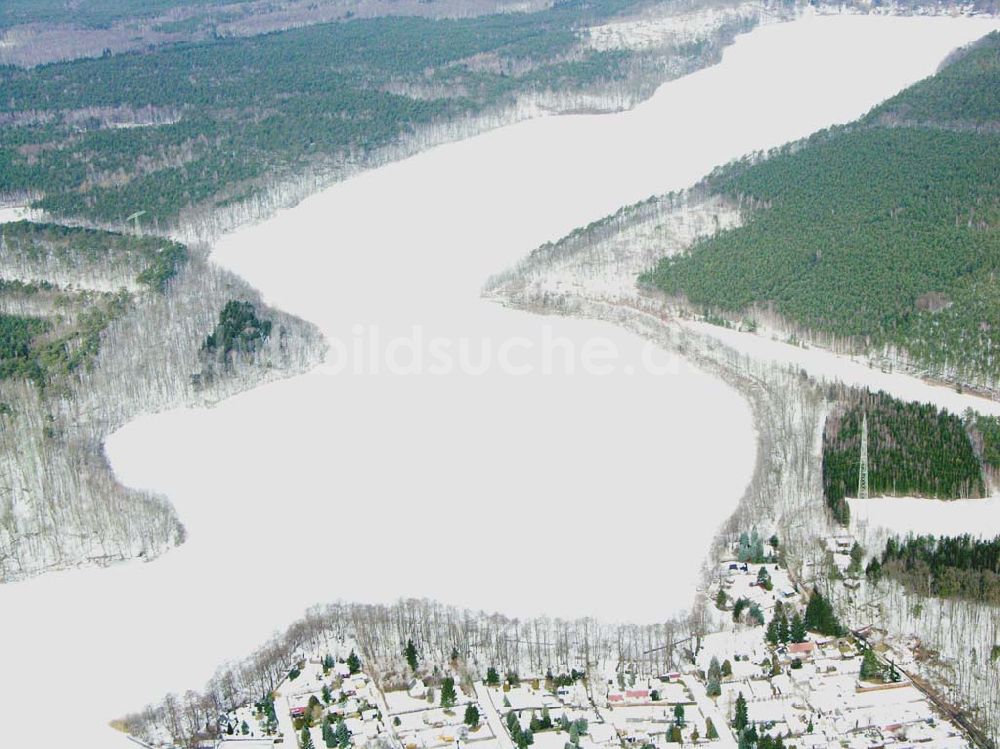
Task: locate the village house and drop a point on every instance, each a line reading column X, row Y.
column 417, row 690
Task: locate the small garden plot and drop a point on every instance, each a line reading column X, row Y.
column 769, row 710
column 645, row 723
column 522, row 698
column 803, row 676
column 797, row 720
column 483, row 743
column 760, row 689
column 749, row 585
column 412, row 721
column 746, row 669
column 587, row 742
column 444, row 717
column 673, row 692
column 550, row 740
column 830, row 693
column 432, row 737
column 420, row 697
column 602, row 733
column 728, row 645
column 932, row 735
column 897, row 698
column 400, row 702
column 636, row 713
column 731, row 689
column 308, row 679
column 574, row 694
column 244, row 724
column 480, row 732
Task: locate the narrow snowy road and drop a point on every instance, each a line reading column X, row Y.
column 709, row 709
column 493, row 719
column 282, row 709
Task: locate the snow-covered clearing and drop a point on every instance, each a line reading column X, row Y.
column 372, row 486
column 827, row 366
column 666, row 25
column 18, row 213
column 902, row 515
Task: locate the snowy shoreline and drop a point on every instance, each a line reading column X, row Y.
column 266, row 511
column 719, row 31
column 592, row 272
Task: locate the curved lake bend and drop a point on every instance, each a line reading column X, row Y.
column 459, row 486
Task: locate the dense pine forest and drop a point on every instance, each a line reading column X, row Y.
column 883, row 233
column 962, row 95
column 187, row 15
column 90, row 13
column 955, row 567
column 209, row 123
column 239, row 331
column 914, row 449
column 985, row 431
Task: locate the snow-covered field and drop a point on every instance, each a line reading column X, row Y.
column 527, row 493
column 979, row 517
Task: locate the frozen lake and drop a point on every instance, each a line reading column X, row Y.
column 534, row 487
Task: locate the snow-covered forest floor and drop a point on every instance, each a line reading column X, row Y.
column 661, row 26
column 61, row 504
column 592, row 273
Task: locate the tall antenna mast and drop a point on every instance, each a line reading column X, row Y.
column 863, row 463
column 135, row 217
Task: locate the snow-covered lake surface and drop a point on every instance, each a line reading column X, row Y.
column 564, row 493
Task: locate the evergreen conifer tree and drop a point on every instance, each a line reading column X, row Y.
column 305, row 739
column 797, row 629
column 448, row 695
column 741, row 716
column 870, row 667
column 353, row 662
column 471, row 715
column 710, row 730
column 411, row 655
column 343, row 735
